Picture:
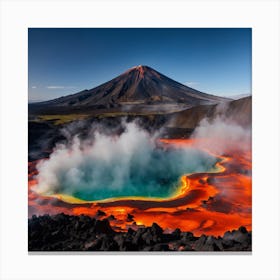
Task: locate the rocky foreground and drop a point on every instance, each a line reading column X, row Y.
column 82, row 233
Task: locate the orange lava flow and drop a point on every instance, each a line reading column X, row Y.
column 209, row 203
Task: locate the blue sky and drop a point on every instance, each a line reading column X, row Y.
column 63, row 61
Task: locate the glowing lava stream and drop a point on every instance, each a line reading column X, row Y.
column 206, row 203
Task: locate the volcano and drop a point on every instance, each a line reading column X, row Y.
column 140, row 85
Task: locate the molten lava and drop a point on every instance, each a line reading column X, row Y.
column 210, row 202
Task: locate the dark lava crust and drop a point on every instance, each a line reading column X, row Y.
column 82, row 233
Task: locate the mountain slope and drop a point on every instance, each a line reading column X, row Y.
column 238, row 111
column 138, row 85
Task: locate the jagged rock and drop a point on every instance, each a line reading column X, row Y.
column 111, row 218
column 176, row 245
column 237, row 240
column 95, row 245
column 160, row 247
column 125, row 244
column 167, row 237
column 239, row 235
column 156, row 229
column 129, row 218
column 199, row 244
column 100, row 213
column 219, row 244
column 187, row 248
column 78, row 233
column 186, row 237
column 103, row 226
column 210, row 244
column 243, row 230
column 148, row 238
column 130, row 231
column 120, row 239
column 176, row 233
column 109, row 244
column 137, row 238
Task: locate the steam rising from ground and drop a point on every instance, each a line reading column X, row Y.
column 222, row 135
column 129, row 164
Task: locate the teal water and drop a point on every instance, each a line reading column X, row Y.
column 152, row 175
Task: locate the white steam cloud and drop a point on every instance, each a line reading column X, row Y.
column 221, row 135
column 129, row 164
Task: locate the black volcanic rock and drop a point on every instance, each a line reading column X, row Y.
column 186, row 237
column 103, row 226
column 156, row 229
column 199, row 244
column 111, row 218
column 125, row 244
column 41, row 139
column 240, row 237
column 129, row 218
column 109, row 244
column 137, row 238
column 82, row 233
column 176, row 233
column 211, row 245
column 94, row 245
column 100, row 213
column 148, row 238
column 161, row 247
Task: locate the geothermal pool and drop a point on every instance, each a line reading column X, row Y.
column 177, row 183
column 133, row 164
column 154, row 174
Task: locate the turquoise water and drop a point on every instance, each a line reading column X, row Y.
column 153, row 175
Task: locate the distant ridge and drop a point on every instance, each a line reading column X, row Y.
column 238, row 111
column 239, row 96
